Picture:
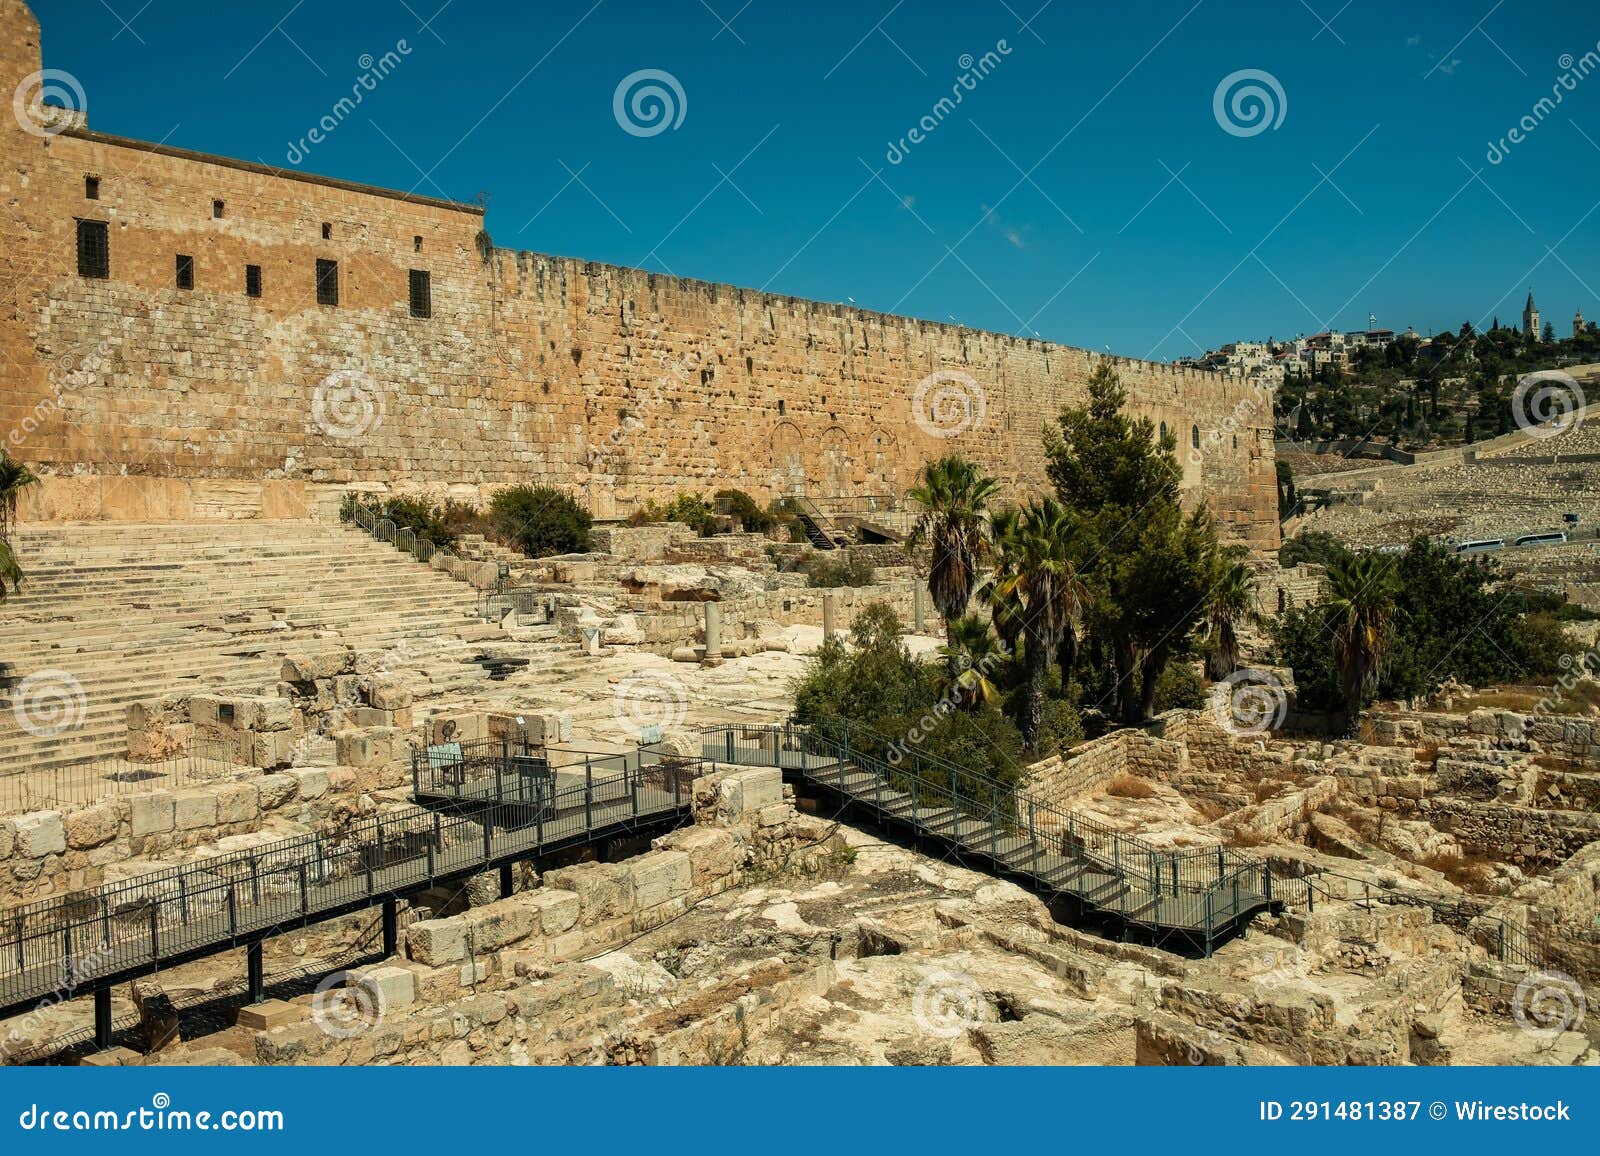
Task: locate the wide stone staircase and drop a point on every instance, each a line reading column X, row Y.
column 112, row 613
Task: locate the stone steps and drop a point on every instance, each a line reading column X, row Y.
column 134, row 612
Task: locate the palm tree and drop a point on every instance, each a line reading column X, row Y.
column 1360, row 616
column 1231, row 601
column 953, row 494
column 1041, row 571
column 970, row 654
column 1005, row 608
column 14, row 478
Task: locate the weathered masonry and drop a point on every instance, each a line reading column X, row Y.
column 190, row 337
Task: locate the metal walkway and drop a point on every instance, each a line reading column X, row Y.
column 1199, row 898
column 90, row 940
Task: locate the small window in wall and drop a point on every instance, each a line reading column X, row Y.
column 1163, row 431
column 327, row 231
column 185, row 271
column 94, row 249
column 416, row 244
column 780, row 407
column 327, row 282
column 91, row 188
column 421, row 293
column 252, row 280
column 1194, row 436
column 217, row 208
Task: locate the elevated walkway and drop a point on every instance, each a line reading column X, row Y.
column 1188, row 900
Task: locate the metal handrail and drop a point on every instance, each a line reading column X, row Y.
column 138, row 923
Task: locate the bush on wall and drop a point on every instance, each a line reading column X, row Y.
column 540, row 520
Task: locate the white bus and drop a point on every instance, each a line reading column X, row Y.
column 1480, row 546
column 1551, row 538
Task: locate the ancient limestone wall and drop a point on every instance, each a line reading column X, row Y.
column 140, row 400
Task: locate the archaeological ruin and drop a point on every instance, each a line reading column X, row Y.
column 291, row 780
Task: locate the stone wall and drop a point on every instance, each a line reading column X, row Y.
column 484, row 985
column 138, row 400
column 45, row 853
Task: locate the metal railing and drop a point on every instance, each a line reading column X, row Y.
column 494, row 605
column 93, row 780
column 1202, row 895
column 97, row 936
column 372, row 520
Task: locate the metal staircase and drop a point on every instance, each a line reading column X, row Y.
column 1197, row 898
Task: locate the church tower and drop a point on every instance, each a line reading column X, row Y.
column 1530, row 319
column 1577, row 323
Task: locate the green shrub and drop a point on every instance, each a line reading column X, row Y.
column 1060, row 728
column 1179, row 688
column 691, row 510
column 836, row 568
column 540, row 521
column 741, row 505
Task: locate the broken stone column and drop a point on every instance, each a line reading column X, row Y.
column 713, row 630
column 828, row 614
column 919, row 607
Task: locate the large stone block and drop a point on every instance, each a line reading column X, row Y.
column 40, row 833
column 391, row 987
column 8, row 838
column 659, row 877
column 91, row 826
column 714, row 853
column 436, row 942
column 151, row 813
column 558, row 910
column 309, row 666
column 499, row 924
column 238, row 803
column 604, row 890
column 195, row 808
column 743, row 794
column 313, row 781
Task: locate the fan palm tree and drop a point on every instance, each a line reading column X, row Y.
column 14, row 478
column 1232, row 601
column 1360, row 616
column 1041, row 572
column 970, row 654
column 953, row 494
column 1005, row 608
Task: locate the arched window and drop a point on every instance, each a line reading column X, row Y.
column 1194, row 436
column 1235, row 441
column 1163, row 431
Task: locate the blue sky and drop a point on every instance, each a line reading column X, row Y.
column 1084, row 188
